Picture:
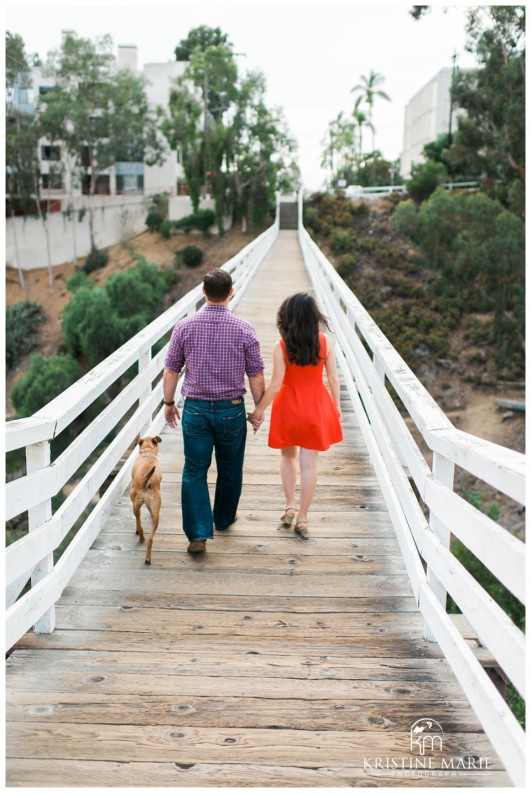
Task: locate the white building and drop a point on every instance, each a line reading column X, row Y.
column 427, row 116
column 120, row 190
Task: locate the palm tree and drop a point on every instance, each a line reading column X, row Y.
column 361, row 120
column 368, row 88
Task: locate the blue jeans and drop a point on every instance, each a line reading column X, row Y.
column 208, row 426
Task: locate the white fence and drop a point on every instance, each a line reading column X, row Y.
column 425, row 542
column 136, row 410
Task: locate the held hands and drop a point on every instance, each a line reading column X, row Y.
column 171, row 415
column 256, row 419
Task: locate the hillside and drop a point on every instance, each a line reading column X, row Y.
column 453, row 360
column 151, row 245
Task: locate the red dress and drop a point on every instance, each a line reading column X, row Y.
column 303, row 413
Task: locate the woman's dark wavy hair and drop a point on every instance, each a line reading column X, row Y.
column 299, row 321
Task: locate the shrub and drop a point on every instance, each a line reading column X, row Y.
column 77, row 280
column 201, row 220
column 190, row 256
column 154, row 221
column 95, row 260
column 45, row 379
column 341, row 242
column 165, row 229
column 425, row 178
column 138, row 290
column 346, row 265
column 23, row 321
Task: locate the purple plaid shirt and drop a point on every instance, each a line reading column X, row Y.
column 219, row 349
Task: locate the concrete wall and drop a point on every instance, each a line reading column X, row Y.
column 116, row 220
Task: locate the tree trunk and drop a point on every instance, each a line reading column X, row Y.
column 46, row 232
column 17, row 255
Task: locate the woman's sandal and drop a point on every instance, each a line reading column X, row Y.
column 288, row 516
column 301, row 528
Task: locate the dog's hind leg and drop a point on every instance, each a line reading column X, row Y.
column 136, row 511
column 154, row 510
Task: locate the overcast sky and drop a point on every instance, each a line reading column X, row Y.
column 312, row 53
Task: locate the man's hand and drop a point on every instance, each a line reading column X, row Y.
column 171, row 415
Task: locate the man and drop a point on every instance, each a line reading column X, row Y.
column 218, row 349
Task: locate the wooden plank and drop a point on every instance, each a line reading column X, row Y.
column 218, row 603
column 124, row 743
column 80, row 773
column 110, row 618
column 253, row 564
column 248, row 712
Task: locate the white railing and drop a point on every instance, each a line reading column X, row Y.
column 425, row 542
column 136, row 410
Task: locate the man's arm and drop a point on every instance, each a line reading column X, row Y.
column 169, row 386
column 257, row 386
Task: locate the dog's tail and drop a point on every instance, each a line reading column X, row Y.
column 148, row 477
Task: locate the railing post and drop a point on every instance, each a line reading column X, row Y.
column 37, row 458
column 443, row 471
column 144, row 361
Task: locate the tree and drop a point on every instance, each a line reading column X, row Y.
column 369, row 90
column 229, row 140
column 44, row 379
column 202, row 37
column 491, row 136
column 97, row 114
column 22, row 135
column 361, row 119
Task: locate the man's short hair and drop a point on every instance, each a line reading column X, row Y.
column 217, row 285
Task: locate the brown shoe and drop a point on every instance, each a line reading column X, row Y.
column 197, row 546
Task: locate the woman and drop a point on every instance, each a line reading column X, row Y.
column 304, row 415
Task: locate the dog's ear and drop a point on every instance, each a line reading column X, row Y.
column 140, row 441
column 157, row 439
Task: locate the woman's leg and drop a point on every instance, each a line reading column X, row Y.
column 308, row 465
column 288, row 473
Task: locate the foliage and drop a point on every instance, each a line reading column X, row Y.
column 230, row 142
column 154, row 221
column 490, row 141
column 98, row 115
column 78, row 279
column 23, row 321
column 96, row 260
column 44, row 379
column 425, row 179
column 97, row 321
column 202, row 37
column 190, row 256
column 202, row 220
column 166, row 229
column 478, row 249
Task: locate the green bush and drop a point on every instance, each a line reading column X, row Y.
column 154, row 221
column 201, row 220
column 77, row 280
column 165, row 229
column 425, row 179
column 190, row 256
column 341, row 242
column 138, row 290
column 44, row 379
column 23, row 321
column 95, row 260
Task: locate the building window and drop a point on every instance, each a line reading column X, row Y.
column 129, row 184
column 51, row 153
column 51, row 181
column 102, row 185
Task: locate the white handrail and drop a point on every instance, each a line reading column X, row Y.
column 32, row 555
column 425, row 542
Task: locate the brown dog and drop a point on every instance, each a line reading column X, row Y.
column 147, row 476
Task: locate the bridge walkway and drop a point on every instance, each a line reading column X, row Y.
column 269, row 661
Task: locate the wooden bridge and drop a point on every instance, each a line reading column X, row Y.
column 271, row 660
